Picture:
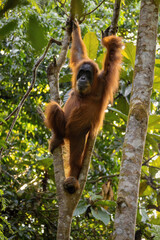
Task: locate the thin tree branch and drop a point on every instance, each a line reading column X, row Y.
column 114, row 23
column 18, row 108
column 103, row 177
column 145, row 163
column 41, row 113
column 151, row 206
column 20, row 105
column 15, row 180
column 63, row 11
column 86, row 14
column 10, row 115
column 59, row 43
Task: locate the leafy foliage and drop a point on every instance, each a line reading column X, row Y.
column 28, row 192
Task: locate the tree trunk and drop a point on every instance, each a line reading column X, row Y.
column 68, row 202
column 133, row 148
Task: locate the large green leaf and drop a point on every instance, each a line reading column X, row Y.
column 104, row 203
column 148, row 191
column 65, row 78
column 10, row 4
column 91, row 42
column 36, row 33
column 76, row 8
column 122, row 105
column 142, row 188
column 144, row 215
column 156, row 232
column 156, row 83
column 44, row 162
column 157, row 63
column 7, row 28
column 156, row 163
column 130, row 53
column 156, row 220
column 151, row 140
column 122, row 115
column 101, row 214
column 80, row 209
column 154, row 122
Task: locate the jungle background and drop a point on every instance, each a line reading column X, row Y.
column 28, row 202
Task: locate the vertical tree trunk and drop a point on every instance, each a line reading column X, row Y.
column 133, row 148
column 67, row 202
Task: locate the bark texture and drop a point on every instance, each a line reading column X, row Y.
column 68, row 202
column 125, row 218
column 114, row 23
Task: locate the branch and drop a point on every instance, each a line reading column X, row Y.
column 103, row 177
column 63, row 11
column 20, row 105
column 59, row 43
column 41, row 113
column 114, row 23
column 145, row 163
column 86, row 162
column 10, row 115
column 151, row 206
column 150, row 182
column 86, row 14
column 15, row 180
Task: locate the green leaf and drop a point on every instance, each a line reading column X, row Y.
column 157, row 63
column 104, row 203
column 33, row 2
column 156, row 163
column 100, row 60
column 76, row 8
column 91, row 42
column 156, row 83
column 123, row 116
column 157, row 70
column 158, row 199
column 130, row 53
column 144, row 215
column 154, row 122
column 139, row 217
column 11, row 4
column 151, row 140
column 45, row 162
column 2, row 120
column 122, row 105
column 80, row 209
column 66, row 78
column 153, row 171
column 36, row 33
column 156, row 232
column 143, row 186
column 156, row 220
column 6, row 29
column 3, row 144
column 101, row 214
column 148, row 191
column 95, row 197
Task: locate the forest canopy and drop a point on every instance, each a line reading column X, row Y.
column 28, row 203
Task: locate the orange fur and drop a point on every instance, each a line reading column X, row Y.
column 84, row 114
